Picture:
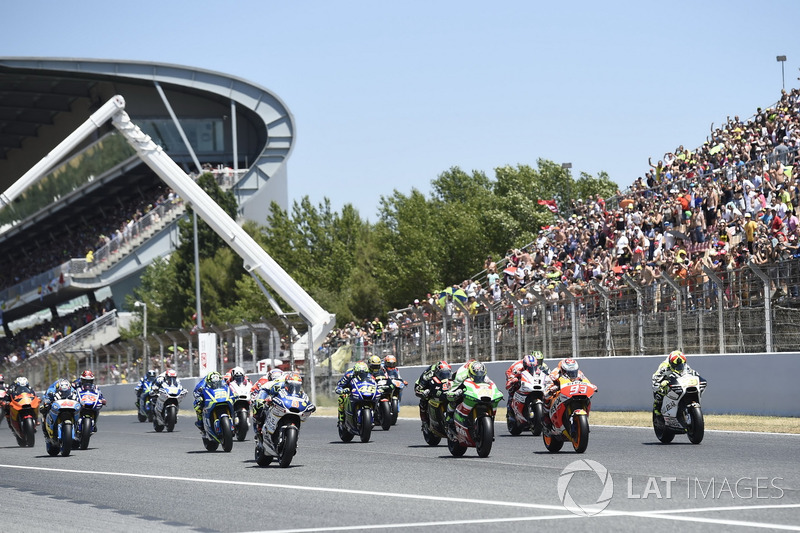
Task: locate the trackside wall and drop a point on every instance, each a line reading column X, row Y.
column 757, row 384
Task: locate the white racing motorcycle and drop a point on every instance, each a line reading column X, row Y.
column 526, row 407
column 278, row 436
column 680, row 409
column 241, row 408
column 166, row 408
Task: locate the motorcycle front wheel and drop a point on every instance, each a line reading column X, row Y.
column 484, row 435
column 695, row 424
column 289, row 447
column 366, row 425
column 537, row 414
column 241, row 424
column 395, row 410
column 66, row 438
column 29, row 431
column 580, row 436
column 171, row 417
column 227, row 433
column 386, row 415
column 86, row 432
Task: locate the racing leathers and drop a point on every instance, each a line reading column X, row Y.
column 661, row 385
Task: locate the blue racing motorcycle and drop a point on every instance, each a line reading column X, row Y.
column 59, row 429
column 358, row 410
column 218, row 418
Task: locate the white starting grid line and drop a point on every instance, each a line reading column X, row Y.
column 671, row 514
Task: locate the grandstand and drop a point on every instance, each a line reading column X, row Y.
column 101, row 216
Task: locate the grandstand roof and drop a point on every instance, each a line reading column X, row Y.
column 43, row 100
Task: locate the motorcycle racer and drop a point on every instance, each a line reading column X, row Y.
column 213, row 381
column 474, row 370
column 675, row 362
column 427, row 382
column 61, row 389
column 238, row 376
column 529, row 363
column 375, row 367
column 389, row 366
column 264, row 394
column 148, row 378
column 168, row 378
column 361, row 372
column 567, row 371
column 19, row 386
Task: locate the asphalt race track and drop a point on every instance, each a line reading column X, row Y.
column 132, row 478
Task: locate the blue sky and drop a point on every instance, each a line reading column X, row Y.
column 387, row 95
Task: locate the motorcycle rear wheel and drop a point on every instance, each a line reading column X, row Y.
column 456, row 450
column 262, row 459
column 241, row 424
column 86, row 432
column 66, row 438
column 552, row 444
column 365, row 431
column 697, row 426
column 289, row 447
column 511, row 423
column 430, row 438
column 395, row 410
column 29, row 430
column 663, row 433
column 386, row 416
column 581, row 433
column 171, row 417
column 227, row 434
column 344, row 434
column 537, row 414
column 484, row 436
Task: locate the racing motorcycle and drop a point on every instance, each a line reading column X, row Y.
column 433, row 431
column 90, row 405
column 23, row 410
column 217, row 418
column 145, row 413
column 396, row 386
column 278, row 437
column 3, row 400
column 567, row 420
column 358, row 411
column 473, row 419
column 383, row 403
column 241, row 408
column 59, row 429
column 526, row 407
column 165, row 410
column 680, row 409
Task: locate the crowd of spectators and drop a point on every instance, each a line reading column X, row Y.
column 729, row 202
column 30, row 341
column 90, row 232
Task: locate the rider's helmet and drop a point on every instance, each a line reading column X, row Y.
column 275, row 374
column 389, row 362
column 63, row 388
column 2, row 380
column 374, row 363
column 477, row 372
column 538, row 357
column 293, row 383
column 360, row 370
column 569, row 368
column 528, row 363
column 214, row 380
column 171, row 377
column 237, row 375
column 87, row 380
column 677, row 361
column 21, row 381
column 151, row 375
column 443, row 371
